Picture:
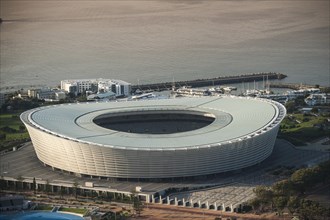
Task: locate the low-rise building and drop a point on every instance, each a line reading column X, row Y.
column 102, row 96
column 119, row 87
column 32, row 93
column 301, row 92
column 318, row 99
column 60, row 95
column 46, row 94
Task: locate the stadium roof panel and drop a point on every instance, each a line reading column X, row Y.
column 235, row 117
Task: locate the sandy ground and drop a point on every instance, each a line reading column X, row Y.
column 163, row 212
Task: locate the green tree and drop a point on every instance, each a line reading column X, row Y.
column 265, row 196
column 34, row 185
column 290, row 106
column 20, row 182
column 3, row 136
column 256, row 204
column 283, row 187
column 280, row 203
column 47, row 186
column 325, row 171
column 21, row 128
column 304, row 178
column 136, row 202
column 82, row 98
column 3, row 184
column 293, row 204
column 75, row 188
column 315, row 110
column 310, row 210
column 300, row 101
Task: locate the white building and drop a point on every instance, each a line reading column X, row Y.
column 102, row 96
column 79, row 86
column 301, row 92
column 59, row 95
column 119, row 87
column 318, row 99
column 46, row 94
column 41, row 93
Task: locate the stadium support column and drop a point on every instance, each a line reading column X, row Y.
column 147, row 197
column 183, row 202
column 160, row 200
column 168, row 200
column 152, row 198
column 175, row 201
column 215, row 206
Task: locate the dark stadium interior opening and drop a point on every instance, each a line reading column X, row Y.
column 155, row 122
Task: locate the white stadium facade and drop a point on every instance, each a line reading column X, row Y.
column 152, row 139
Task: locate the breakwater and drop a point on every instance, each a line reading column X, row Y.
column 211, row 82
column 294, row 86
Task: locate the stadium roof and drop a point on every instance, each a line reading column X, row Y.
column 236, row 118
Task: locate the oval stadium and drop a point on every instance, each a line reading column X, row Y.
column 152, row 139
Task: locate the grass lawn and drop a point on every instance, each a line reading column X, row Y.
column 10, row 120
column 73, row 210
column 15, row 137
column 299, row 128
column 44, row 207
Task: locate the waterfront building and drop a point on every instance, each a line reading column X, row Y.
column 46, row 94
column 119, row 87
column 79, row 86
column 102, row 96
column 59, row 95
column 32, row 93
column 301, row 92
column 318, row 99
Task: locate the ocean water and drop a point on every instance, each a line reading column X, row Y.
column 43, row 42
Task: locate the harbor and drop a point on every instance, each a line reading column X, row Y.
column 251, row 77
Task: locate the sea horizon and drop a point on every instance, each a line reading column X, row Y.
column 44, row 42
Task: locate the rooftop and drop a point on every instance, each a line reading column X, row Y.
column 236, row 118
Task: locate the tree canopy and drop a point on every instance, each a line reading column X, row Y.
column 290, row 194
